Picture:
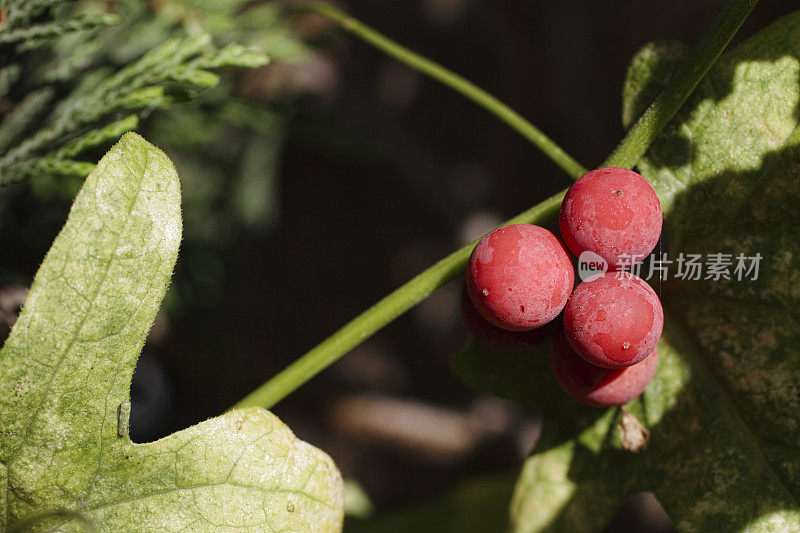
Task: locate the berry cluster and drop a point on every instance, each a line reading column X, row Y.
column 520, row 278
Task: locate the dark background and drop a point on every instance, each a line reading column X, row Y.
column 382, row 173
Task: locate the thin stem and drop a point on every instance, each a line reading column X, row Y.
column 449, row 78
column 380, row 314
column 689, row 74
column 404, row 298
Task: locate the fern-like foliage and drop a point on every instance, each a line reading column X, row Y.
column 60, row 96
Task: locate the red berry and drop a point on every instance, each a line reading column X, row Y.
column 595, row 386
column 519, row 277
column 614, row 320
column 614, row 213
column 497, row 339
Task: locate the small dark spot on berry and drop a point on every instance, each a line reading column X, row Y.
column 619, row 193
column 485, row 292
column 522, row 308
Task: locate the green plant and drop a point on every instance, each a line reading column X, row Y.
column 193, row 56
column 70, row 88
column 720, row 412
column 689, row 73
column 721, row 406
column 67, row 368
column 62, row 109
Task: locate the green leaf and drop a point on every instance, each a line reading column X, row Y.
column 524, row 378
column 65, row 374
column 97, row 137
column 723, row 409
column 518, row 377
column 169, row 70
column 40, row 33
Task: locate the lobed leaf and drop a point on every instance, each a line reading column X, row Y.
column 65, row 372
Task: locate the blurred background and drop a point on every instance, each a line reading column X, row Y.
column 315, row 185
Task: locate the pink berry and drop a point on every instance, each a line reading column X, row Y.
column 497, row 339
column 614, row 320
column 614, row 213
column 519, row 277
column 595, row 386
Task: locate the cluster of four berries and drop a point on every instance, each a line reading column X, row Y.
column 521, row 277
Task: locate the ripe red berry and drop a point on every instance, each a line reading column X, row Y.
column 498, row 339
column 595, row 386
column 614, row 213
column 614, row 320
column 519, row 277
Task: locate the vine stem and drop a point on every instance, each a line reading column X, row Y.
column 692, row 70
column 627, row 153
column 452, row 80
column 376, row 317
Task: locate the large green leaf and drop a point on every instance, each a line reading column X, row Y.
column 724, row 408
column 65, row 373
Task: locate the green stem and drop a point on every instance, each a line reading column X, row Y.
column 380, row 314
column 686, row 78
column 449, row 78
column 404, row 298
